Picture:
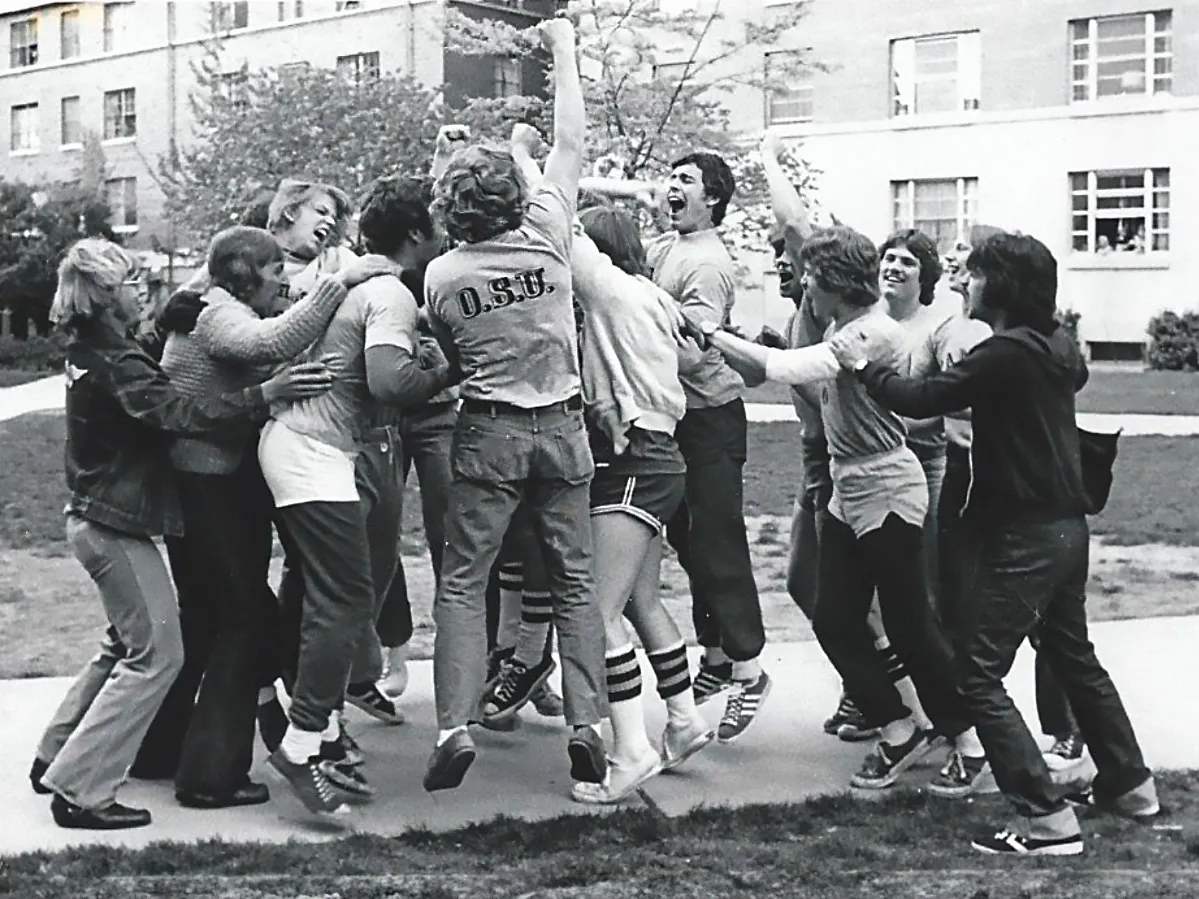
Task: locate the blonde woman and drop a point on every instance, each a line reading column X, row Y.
column 121, row 412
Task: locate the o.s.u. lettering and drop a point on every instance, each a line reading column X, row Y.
column 504, row 292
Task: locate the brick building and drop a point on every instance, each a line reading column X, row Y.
column 124, row 71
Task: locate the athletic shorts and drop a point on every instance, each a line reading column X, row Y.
column 652, row 498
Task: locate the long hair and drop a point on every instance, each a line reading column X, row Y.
column 392, row 210
column 843, row 261
column 924, row 248
column 293, row 193
column 480, row 196
column 1021, row 278
column 617, row 236
column 89, row 277
column 235, row 257
column 718, row 181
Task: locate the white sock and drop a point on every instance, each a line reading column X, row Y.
column 714, row 656
column 332, row 730
column 299, row 746
column 968, row 744
column 747, row 672
column 681, row 709
column 630, row 741
column 595, row 727
column 907, row 692
column 899, row 732
column 443, row 735
column 266, row 695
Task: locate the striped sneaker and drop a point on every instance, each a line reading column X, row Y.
column 1005, row 842
column 711, row 680
column 743, row 706
column 885, row 762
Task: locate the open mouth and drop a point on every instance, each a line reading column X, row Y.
column 676, row 204
column 893, row 279
column 322, row 232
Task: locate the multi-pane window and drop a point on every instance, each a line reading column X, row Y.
column 22, row 42
column 792, row 103
column 941, row 73
column 72, row 127
column 120, row 114
column 121, row 194
column 296, row 9
column 116, row 23
column 1120, row 211
column 359, row 67
column 24, row 129
column 1121, row 55
column 233, row 88
column 228, row 16
column 942, row 209
column 505, row 77
column 68, row 29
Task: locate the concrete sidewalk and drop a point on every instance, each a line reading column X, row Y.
column 47, row 395
column 783, row 757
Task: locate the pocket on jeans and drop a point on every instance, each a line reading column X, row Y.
column 571, row 459
column 488, row 455
column 86, row 548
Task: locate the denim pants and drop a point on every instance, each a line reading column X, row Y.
column 812, row 501
column 933, row 463
column 1033, row 575
column 426, row 434
column 500, row 459
column 708, row 532
column 204, row 731
column 93, row 738
column 888, row 559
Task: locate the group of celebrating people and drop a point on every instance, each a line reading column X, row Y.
column 571, row 399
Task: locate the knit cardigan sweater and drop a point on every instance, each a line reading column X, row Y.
column 630, row 360
column 232, row 348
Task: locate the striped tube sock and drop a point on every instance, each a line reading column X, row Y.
column 623, row 674
column 630, row 742
column 891, row 660
column 536, row 615
column 512, row 581
column 674, row 683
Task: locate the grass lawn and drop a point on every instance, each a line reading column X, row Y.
column 10, row 378
column 902, row 845
column 1108, row 390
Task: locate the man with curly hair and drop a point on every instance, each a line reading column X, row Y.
column 500, row 303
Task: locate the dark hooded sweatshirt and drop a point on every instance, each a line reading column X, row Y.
column 1019, row 385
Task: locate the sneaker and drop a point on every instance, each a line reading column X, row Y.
column 1005, row 842
column 620, row 783
column 885, row 762
column 587, row 760
column 1138, row 804
column 370, row 699
column 711, row 680
column 309, row 783
column 846, row 711
column 1066, row 752
column 272, row 724
column 347, row 778
column 514, row 688
column 682, row 742
column 394, row 681
column 854, row 728
column 449, row 762
column 743, row 707
column 495, row 662
column 36, row 771
column 960, row 777
column 113, row 816
column 344, row 750
column 547, row 702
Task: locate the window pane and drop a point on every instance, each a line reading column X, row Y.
column 1079, row 30
column 1161, row 177
column 1161, row 242
column 1078, row 222
column 1120, row 26
column 936, row 96
column 1161, row 221
column 1119, row 181
column 1079, row 203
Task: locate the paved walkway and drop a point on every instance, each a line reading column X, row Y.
column 47, row 396
column 784, row 756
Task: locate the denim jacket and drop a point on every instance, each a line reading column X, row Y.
column 121, row 414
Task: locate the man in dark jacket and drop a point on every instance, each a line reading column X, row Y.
column 1027, row 505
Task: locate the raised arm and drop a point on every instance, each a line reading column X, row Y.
column 808, row 365
column 565, row 162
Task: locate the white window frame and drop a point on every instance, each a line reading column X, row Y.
column 25, row 131
column 507, row 76
column 358, row 68
column 1154, row 211
column 903, row 205
column 120, row 211
column 27, row 28
column 62, row 123
column 1159, row 25
column 966, row 76
column 124, row 118
column 225, row 16
column 801, row 95
column 69, row 45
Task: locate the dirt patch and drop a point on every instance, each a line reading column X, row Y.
column 50, row 618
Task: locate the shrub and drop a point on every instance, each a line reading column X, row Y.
column 48, row 354
column 1069, row 320
column 1174, row 342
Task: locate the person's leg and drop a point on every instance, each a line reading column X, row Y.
column 933, row 464
column 140, row 605
column 1102, row 719
column 1068, row 750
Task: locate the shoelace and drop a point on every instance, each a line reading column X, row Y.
column 506, row 688
column 846, row 709
column 732, row 711
column 955, row 767
column 1067, row 747
column 324, row 787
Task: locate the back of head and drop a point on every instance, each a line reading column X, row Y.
column 89, row 277
column 979, row 233
column 844, row 262
column 257, row 210
column 1021, row 279
column 235, row 257
column 393, row 209
column 719, row 183
column 480, row 196
column 616, row 234
column 292, row 193
column 924, row 248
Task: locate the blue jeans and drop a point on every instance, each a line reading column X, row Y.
column 500, row 459
column 1033, row 575
column 810, row 504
